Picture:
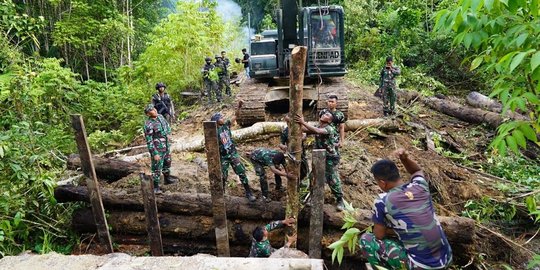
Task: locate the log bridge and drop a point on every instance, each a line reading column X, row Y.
column 187, row 225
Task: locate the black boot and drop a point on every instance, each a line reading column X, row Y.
column 168, row 179
column 157, row 190
column 249, row 195
column 340, row 206
column 277, row 178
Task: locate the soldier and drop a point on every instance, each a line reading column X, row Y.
column 407, row 208
column 275, row 160
column 163, row 103
column 156, row 132
column 227, row 75
column 387, row 86
column 260, row 246
column 326, row 138
column 339, row 118
column 210, row 78
column 228, row 153
column 245, row 61
column 221, row 70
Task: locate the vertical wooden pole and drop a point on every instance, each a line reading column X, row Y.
column 91, row 181
column 216, row 188
column 298, row 66
column 151, row 214
column 317, row 201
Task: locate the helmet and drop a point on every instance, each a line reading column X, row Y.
column 207, row 59
column 159, row 85
column 216, row 116
column 217, row 56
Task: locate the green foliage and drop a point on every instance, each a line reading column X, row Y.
column 349, row 238
column 534, row 262
column 377, row 29
column 20, row 29
column 31, row 218
column 486, row 209
column 504, row 39
column 178, row 48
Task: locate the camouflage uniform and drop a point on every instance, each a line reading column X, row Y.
column 304, row 167
column 388, row 88
column 329, row 142
column 261, row 158
column 337, row 119
column 225, row 79
column 263, row 248
column 229, row 155
column 210, row 85
column 156, row 132
column 408, row 210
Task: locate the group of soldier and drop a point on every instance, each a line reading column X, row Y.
column 405, row 206
column 216, row 77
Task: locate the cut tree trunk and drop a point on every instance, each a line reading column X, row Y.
column 263, row 128
column 478, row 100
column 458, row 229
column 108, row 169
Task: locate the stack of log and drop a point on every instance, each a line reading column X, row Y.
column 187, row 224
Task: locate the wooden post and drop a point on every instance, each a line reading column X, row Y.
column 151, row 214
column 216, row 188
column 298, row 66
column 91, row 181
column 317, row 202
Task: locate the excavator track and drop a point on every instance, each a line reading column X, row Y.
column 254, row 93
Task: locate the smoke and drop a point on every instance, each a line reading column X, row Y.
column 229, row 10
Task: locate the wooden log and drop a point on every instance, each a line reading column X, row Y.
column 480, row 101
column 151, row 214
column 108, row 169
column 465, row 113
column 458, row 229
column 196, row 144
column 296, row 86
column 216, row 188
column 92, row 184
column 317, row 202
column 179, row 203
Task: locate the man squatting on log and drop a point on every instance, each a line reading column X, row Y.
column 156, row 132
column 260, row 246
column 326, row 137
column 228, row 153
column 407, row 208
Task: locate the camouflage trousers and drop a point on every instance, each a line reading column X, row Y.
column 389, row 98
column 163, row 165
column 261, row 173
column 224, row 81
column 233, row 159
column 212, row 90
column 386, row 253
column 332, row 177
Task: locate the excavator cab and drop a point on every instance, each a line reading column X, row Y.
column 322, row 32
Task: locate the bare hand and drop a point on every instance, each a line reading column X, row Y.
column 291, row 239
column 339, row 144
column 283, row 147
column 157, row 157
column 299, row 119
column 240, row 103
column 287, row 118
column 288, row 221
column 401, row 153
